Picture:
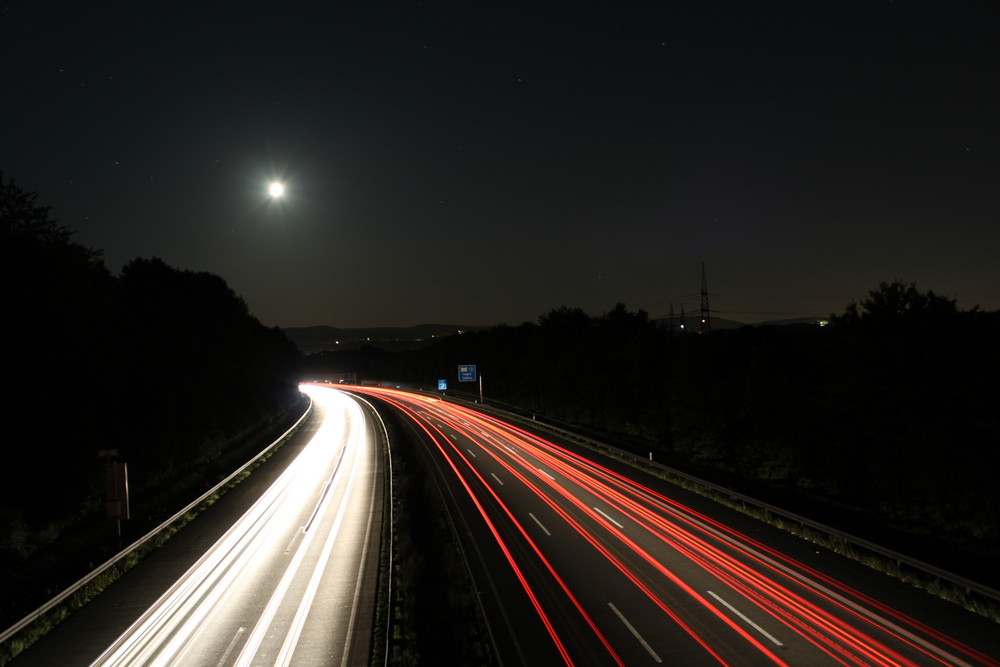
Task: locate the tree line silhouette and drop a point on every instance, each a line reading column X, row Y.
column 888, row 416
column 165, row 366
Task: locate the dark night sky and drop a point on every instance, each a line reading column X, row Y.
column 481, row 162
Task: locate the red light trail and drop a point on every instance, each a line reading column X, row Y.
column 737, row 600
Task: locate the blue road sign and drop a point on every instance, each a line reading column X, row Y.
column 442, row 385
column 467, row 373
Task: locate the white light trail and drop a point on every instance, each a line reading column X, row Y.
column 232, row 600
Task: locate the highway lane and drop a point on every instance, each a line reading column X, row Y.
column 613, row 572
column 287, row 582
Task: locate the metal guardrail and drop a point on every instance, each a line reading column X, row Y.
column 124, row 553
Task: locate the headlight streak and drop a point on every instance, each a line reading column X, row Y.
column 264, row 623
column 170, row 629
column 180, row 611
column 291, row 640
column 690, row 534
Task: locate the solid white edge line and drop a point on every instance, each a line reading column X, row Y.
column 539, row 523
column 598, row 510
column 747, row 620
column 635, row 633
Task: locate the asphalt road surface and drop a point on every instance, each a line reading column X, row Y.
column 577, row 563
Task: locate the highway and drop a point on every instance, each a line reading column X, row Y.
column 577, row 564
column 292, row 581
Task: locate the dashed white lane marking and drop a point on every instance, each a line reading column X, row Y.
column 539, row 523
column 635, row 633
column 598, row 510
column 747, row 620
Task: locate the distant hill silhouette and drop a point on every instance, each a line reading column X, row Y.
column 325, row 338
column 793, row 320
column 691, row 322
column 721, row 323
column 321, row 338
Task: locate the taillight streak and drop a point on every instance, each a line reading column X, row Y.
column 594, row 542
column 803, row 571
column 732, row 572
column 830, row 634
column 564, row 460
column 427, row 427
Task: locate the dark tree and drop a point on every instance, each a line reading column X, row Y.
column 167, row 367
column 897, row 300
column 57, row 295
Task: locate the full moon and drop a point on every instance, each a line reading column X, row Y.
column 276, row 189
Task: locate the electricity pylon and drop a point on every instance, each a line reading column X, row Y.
column 706, row 319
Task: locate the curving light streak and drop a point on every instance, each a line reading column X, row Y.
column 425, row 425
column 803, row 614
column 596, row 544
column 841, row 624
column 431, row 430
column 864, row 608
column 600, row 548
column 306, row 504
